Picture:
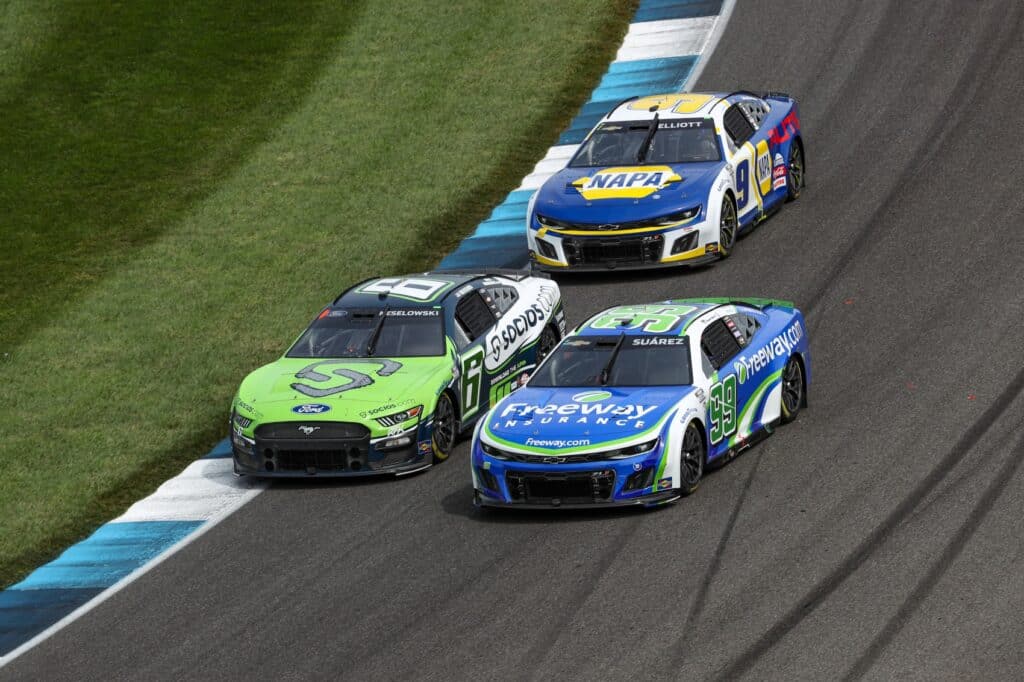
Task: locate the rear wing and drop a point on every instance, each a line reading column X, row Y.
column 507, row 273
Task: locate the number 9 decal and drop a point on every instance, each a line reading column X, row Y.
column 742, row 182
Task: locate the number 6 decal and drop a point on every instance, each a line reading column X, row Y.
column 472, row 367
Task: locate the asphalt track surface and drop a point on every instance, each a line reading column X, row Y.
column 878, row 536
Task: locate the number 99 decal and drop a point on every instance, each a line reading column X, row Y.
column 722, row 408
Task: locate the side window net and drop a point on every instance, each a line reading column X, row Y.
column 718, row 343
column 737, row 125
column 474, row 316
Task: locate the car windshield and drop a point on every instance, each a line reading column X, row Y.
column 400, row 332
column 640, row 361
column 618, row 144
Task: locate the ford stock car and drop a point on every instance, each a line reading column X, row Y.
column 669, row 180
column 387, row 376
column 636, row 404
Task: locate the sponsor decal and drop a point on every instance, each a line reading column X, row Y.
column 660, row 341
column 557, row 442
column 308, row 430
column 353, row 379
column 390, row 407
column 637, row 466
column 395, row 431
column 779, row 177
column 311, row 408
column 711, row 247
column 700, row 395
column 784, row 130
column 664, row 484
column 581, row 412
column 523, row 322
column 249, row 408
column 424, row 447
column 779, row 347
column 779, row 161
column 627, row 182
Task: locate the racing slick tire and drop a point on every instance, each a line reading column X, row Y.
column 792, row 389
column 692, row 456
column 445, row 428
column 795, row 171
column 728, row 226
column 546, row 343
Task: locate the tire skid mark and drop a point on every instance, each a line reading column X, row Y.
column 960, row 100
column 855, row 559
column 678, row 647
column 548, row 638
column 941, row 565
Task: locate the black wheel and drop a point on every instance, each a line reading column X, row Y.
column 691, row 459
column 728, row 226
column 792, row 390
column 547, row 342
column 443, row 439
column 795, row 171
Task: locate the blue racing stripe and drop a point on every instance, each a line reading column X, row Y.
column 221, row 450
column 627, row 79
column 499, row 241
column 26, row 613
column 109, row 554
column 84, row 570
column 658, row 10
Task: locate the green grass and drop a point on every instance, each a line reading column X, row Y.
column 182, row 185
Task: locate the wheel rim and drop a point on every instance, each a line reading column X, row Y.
column 727, row 226
column 796, row 168
column 792, row 386
column 444, row 425
column 546, row 344
column 692, row 464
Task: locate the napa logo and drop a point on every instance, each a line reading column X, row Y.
column 633, row 182
column 591, row 396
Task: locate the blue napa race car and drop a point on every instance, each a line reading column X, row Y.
column 636, row 404
column 669, row 180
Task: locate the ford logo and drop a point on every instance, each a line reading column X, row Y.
column 311, row 408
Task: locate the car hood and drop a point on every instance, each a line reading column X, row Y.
column 562, row 420
column 618, row 194
column 351, row 389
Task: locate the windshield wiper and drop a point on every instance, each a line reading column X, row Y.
column 371, row 345
column 641, row 154
column 606, row 372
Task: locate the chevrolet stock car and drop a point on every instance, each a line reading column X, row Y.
column 636, row 404
column 668, row 180
column 387, row 376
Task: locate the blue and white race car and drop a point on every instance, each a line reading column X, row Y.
column 669, row 180
column 638, row 401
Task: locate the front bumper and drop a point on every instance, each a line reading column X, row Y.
column 331, row 457
column 575, row 251
column 636, row 481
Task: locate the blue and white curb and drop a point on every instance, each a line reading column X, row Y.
column 96, row 568
column 661, row 52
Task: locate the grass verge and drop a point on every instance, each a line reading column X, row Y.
column 182, row 191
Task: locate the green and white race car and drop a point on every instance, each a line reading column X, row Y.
column 388, row 375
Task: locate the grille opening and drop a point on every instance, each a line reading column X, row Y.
column 586, row 487
column 614, row 252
